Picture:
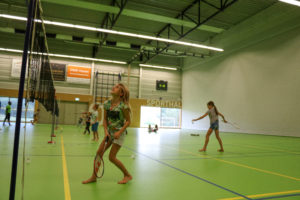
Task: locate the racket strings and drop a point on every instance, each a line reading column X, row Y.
column 98, row 166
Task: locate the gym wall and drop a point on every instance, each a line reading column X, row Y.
column 256, row 86
column 142, row 84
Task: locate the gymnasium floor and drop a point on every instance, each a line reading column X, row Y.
column 167, row 165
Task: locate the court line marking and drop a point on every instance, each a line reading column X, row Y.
column 264, row 195
column 65, row 171
column 269, row 148
column 185, row 172
column 261, row 155
column 240, row 165
column 280, row 196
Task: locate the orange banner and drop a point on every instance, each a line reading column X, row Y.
column 79, row 72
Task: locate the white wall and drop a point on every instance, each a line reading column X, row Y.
column 258, row 87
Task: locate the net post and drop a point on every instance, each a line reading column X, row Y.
column 96, row 86
column 53, row 123
column 30, row 15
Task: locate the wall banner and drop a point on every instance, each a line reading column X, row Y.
column 58, row 71
column 76, row 74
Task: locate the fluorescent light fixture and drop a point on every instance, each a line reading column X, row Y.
column 115, row 32
column 86, row 58
column 77, row 99
column 67, row 56
column 293, row 2
column 13, row 17
column 159, row 67
column 11, row 50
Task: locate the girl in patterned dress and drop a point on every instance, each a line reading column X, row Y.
column 116, row 120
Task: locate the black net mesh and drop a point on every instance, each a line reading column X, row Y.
column 41, row 86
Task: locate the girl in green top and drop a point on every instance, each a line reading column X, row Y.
column 116, row 120
column 7, row 113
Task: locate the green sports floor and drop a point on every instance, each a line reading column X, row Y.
column 167, row 165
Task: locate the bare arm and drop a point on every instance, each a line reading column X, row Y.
column 222, row 117
column 200, row 117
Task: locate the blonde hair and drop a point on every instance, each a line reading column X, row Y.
column 125, row 96
column 96, row 106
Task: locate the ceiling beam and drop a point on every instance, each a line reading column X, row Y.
column 10, row 32
column 181, row 33
column 108, row 22
column 131, row 13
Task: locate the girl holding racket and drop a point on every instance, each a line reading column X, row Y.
column 214, row 124
column 116, row 120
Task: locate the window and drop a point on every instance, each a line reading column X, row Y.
column 150, row 115
column 170, row 117
column 14, row 103
column 163, row 117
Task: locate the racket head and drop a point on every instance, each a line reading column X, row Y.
column 98, row 166
column 232, row 124
column 235, row 125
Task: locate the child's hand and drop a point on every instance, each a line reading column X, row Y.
column 117, row 135
column 225, row 121
column 107, row 135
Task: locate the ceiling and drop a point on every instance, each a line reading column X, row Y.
column 146, row 17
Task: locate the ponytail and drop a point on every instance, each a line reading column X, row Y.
column 211, row 103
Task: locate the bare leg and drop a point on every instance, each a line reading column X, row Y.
column 206, row 140
column 112, row 157
column 220, row 141
column 4, row 120
column 96, row 136
column 101, row 152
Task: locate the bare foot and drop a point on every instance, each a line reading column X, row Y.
column 221, row 150
column 90, row 180
column 202, row 150
column 125, row 180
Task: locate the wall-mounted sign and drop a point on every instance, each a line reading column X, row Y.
column 16, row 68
column 161, row 85
column 163, row 103
column 76, row 74
column 58, row 71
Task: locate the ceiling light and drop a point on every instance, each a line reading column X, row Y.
column 67, row 56
column 293, row 2
column 159, row 67
column 115, row 32
column 13, row 17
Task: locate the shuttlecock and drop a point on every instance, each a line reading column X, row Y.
column 28, row 160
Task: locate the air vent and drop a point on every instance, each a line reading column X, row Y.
column 19, row 31
column 78, row 39
column 135, row 46
column 51, row 35
column 111, row 43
